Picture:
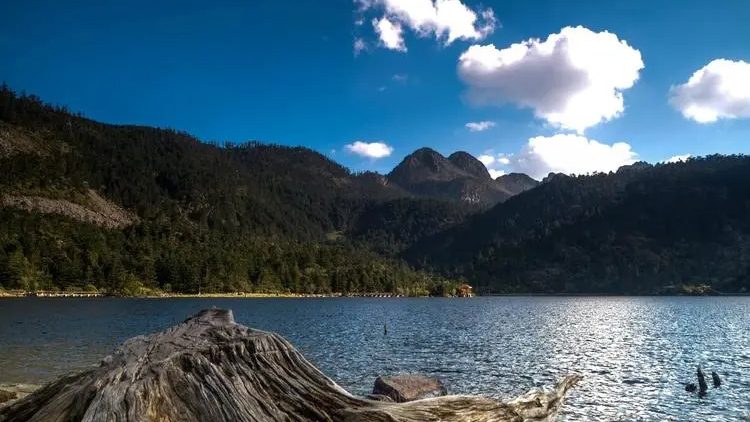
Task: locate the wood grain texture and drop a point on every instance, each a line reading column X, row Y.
column 210, row 369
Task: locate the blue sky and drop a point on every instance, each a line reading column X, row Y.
column 287, row 72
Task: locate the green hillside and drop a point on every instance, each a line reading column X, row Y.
column 248, row 217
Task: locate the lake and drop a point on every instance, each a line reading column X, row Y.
column 635, row 352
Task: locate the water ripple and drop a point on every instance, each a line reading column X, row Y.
column 635, row 353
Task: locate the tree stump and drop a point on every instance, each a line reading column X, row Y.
column 210, row 369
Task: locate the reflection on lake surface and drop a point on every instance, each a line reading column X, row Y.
column 635, row 353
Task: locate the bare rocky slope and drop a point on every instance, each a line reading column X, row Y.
column 95, row 209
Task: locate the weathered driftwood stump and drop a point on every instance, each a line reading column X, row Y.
column 210, row 369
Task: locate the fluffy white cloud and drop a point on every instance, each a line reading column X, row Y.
column 719, row 90
column 496, row 173
column 570, row 154
column 678, row 158
column 372, row 150
column 493, row 161
column 574, row 79
column 359, row 46
column 479, row 126
column 486, row 159
column 444, row 19
column 390, row 33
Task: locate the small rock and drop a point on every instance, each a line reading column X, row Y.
column 379, row 397
column 702, row 386
column 11, row 393
column 717, row 380
column 405, row 388
column 7, row 396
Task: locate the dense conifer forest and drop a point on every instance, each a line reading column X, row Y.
column 207, row 218
column 669, row 228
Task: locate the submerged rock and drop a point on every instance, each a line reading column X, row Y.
column 716, row 379
column 210, row 369
column 702, row 386
column 10, row 393
column 6, row 396
column 408, row 388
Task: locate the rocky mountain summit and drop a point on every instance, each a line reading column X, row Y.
column 460, row 177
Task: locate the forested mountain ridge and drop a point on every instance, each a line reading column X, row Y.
column 132, row 209
column 248, row 217
column 641, row 230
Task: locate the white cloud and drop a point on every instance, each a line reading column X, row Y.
column 444, row 19
column 400, row 77
column 719, row 90
column 390, row 33
column 492, row 161
column 496, row 173
column 372, row 150
column 359, row 46
column 570, row 154
column 574, row 79
column 480, row 126
column 678, row 158
column 486, row 159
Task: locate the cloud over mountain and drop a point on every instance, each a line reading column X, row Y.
column 678, row 158
column 574, row 79
column 570, row 154
column 372, row 150
column 719, row 90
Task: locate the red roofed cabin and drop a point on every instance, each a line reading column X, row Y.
column 464, row 290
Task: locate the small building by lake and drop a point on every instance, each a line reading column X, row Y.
column 464, row 290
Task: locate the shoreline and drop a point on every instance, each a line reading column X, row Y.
column 21, row 294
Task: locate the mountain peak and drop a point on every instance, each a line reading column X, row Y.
column 423, row 164
column 469, row 164
column 516, row 183
column 460, row 177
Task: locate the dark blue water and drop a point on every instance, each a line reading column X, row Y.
column 635, row 353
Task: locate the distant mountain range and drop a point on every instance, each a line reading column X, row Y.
column 133, row 210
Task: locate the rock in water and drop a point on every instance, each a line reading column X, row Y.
column 6, row 396
column 716, row 379
column 210, row 369
column 408, row 388
column 10, row 393
column 702, row 386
